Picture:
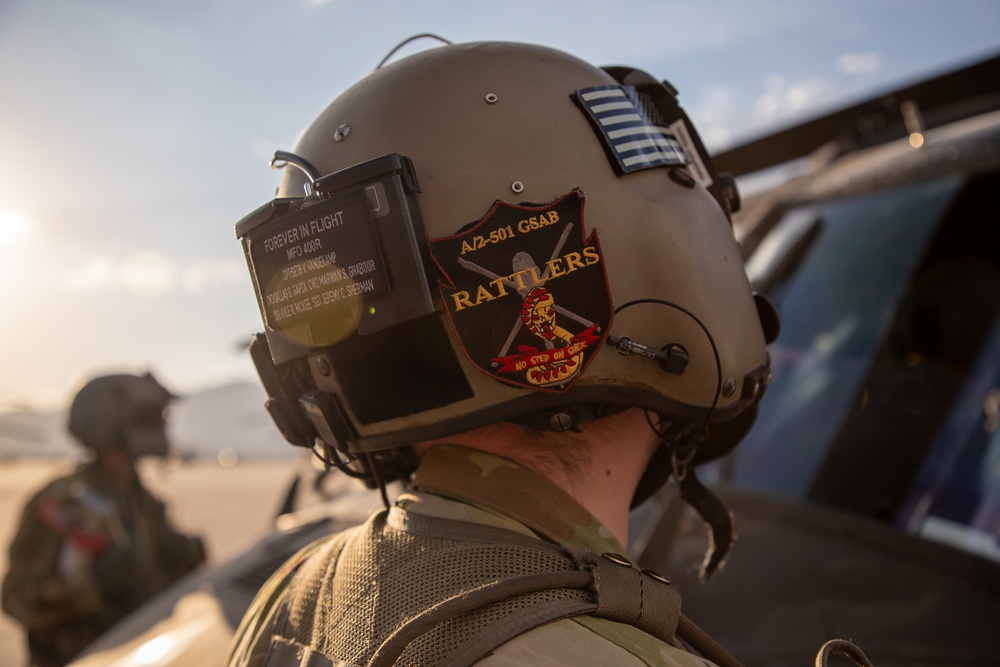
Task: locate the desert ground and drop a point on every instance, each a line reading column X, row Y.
column 228, row 507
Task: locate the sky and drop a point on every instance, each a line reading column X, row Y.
column 134, row 134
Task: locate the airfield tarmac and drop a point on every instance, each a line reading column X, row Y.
column 228, row 507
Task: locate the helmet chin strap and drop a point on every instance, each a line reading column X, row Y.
column 718, row 517
column 681, row 442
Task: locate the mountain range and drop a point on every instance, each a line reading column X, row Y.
column 203, row 424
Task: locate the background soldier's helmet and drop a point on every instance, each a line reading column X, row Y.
column 430, row 199
column 124, row 411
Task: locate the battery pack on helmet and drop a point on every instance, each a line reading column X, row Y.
column 351, row 258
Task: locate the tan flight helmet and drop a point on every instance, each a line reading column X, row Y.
column 492, row 232
column 122, row 410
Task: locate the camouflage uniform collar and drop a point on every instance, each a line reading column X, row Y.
column 502, row 486
column 101, row 477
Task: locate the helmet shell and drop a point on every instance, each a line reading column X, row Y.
column 124, row 411
column 484, row 122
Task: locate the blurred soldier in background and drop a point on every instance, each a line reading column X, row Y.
column 93, row 545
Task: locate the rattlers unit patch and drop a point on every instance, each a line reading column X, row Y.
column 527, row 293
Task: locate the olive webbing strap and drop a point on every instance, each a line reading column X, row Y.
column 480, row 645
column 702, row 642
column 390, row 650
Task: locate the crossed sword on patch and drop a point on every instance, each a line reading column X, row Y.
column 521, row 262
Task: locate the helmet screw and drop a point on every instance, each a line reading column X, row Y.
column 323, row 366
column 342, row 132
column 729, row 387
column 491, row 98
column 560, row 422
column 517, row 186
column 682, row 176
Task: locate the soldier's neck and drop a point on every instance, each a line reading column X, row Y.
column 620, row 449
column 119, row 465
column 600, row 466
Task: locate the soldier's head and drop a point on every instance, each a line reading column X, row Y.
column 123, row 412
column 498, row 232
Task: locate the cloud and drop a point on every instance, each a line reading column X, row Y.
column 144, row 273
column 96, row 274
column 149, row 274
column 782, row 98
column 213, row 272
column 714, row 116
column 859, row 63
column 723, row 114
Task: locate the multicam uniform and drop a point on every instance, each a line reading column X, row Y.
column 85, row 555
column 468, row 486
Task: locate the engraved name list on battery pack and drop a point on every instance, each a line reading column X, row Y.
column 319, row 262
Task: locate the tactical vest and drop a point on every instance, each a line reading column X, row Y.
column 412, row 590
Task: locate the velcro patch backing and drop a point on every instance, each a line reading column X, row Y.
column 634, row 135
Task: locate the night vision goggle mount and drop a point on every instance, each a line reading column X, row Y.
column 349, row 257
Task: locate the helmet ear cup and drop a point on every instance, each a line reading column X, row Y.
column 770, row 320
column 721, row 440
column 724, row 436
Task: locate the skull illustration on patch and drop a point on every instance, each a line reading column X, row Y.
column 527, row 292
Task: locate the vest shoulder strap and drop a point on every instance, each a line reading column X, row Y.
column 364, row 601
column 613, row 587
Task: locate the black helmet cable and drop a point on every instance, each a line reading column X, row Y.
column 683, row 444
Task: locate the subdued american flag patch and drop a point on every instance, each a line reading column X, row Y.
column 633, row 134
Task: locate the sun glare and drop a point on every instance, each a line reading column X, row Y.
column 15, row 227
column 16, row 230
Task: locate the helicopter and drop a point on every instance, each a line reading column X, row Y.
column 867, row 494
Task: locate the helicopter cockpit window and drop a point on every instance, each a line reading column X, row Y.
column 888, row 303
column 956, row 498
